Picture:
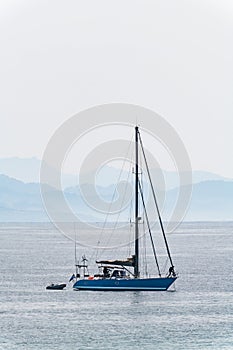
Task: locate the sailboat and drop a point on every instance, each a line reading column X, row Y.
column 124, row 275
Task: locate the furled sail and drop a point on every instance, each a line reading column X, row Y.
column 125, row 262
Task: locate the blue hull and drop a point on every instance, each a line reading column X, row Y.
column 146, row 284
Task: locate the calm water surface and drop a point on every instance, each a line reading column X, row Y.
column 198, row 315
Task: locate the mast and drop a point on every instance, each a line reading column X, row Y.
column 136, row 263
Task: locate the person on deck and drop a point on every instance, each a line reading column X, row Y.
column 171, row 272
column 106, row 272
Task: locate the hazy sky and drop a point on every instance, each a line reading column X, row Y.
column 176, row 57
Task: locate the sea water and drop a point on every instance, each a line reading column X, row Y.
column 197, row 315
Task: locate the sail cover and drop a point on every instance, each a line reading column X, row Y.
column 125, row 262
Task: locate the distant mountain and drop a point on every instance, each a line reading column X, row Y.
column 211, row 200
column 23, row 169
column 172, row 178
column 28, row 170
column 23, row 202
column 17, row 195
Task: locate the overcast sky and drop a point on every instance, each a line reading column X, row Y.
column 175, row 57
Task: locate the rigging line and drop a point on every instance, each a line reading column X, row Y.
column 155, row 200
column 151, row 238
column 143, row 217
column 164, row 268
column 119, row 213
column 131, row 231
column 145, row 246
column 114, row 193
column 118, row 180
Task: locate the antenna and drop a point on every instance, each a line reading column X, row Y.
column 75, row 253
